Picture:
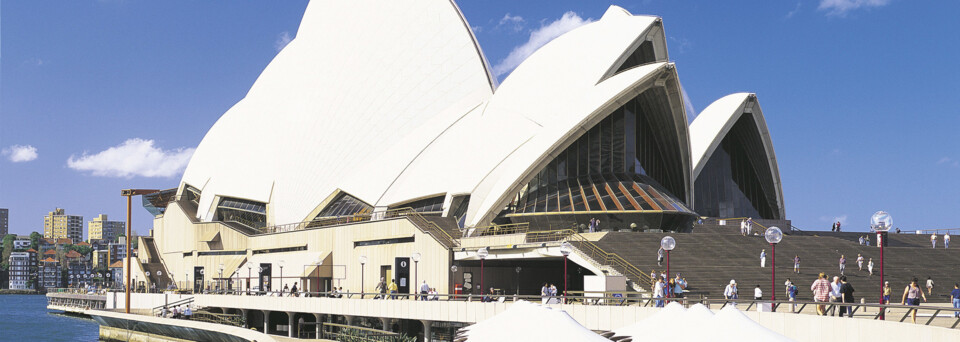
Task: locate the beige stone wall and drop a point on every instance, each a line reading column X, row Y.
column 175, row 235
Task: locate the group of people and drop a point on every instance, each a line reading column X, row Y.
column 672, row 288
column 594, row 225
column 746, row 227
column 865, row 240
column 946, row 240
column 547, row 294
column 837, row 291
column 836, row 227
column 177, row 312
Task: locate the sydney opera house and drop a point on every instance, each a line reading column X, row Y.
column 360, row 145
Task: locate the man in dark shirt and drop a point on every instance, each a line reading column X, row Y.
column 846, row 293
column 955, row 298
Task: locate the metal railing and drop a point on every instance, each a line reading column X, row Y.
column 425, row 226
column 499, row 229
column 943, row 316
column 225, row 319
column 343, row 332
column 157, row 310
column 590, row 250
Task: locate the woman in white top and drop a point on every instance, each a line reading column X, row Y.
column 658, row 292
column 757, row 293
column 870, row 266
column 860, row 261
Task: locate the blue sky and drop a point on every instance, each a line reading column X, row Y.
column 859, row 95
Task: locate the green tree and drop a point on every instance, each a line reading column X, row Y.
column 7, row 249
column 35, row 240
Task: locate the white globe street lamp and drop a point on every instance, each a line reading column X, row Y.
column 881, row 222
column 773, row 235
column 668, row 243
column 482, row 254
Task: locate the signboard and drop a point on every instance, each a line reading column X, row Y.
column 402, row 274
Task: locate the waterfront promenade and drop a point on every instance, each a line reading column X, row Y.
column 284, row 313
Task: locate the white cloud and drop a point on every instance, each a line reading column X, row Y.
column 794, row 11
column 282, row 40
column 476, row 29
column 512, row 22
column 949, row 161
column 20, row 153
column 33, row 61
column 134, row 157
column 842, row 219
column 538, row 38
column 841, row 7
column 681, row 44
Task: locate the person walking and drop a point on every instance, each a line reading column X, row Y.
column 757, row 293
column 933, row 240
column 424, row 290
column 860, row 262
column 861, row 240
column 743, row 228
column 838, row 226
column 791, row 294
column 821, row 292
column 382, row 288
column 393, row 288
column 955, row 299
column 946, row 240
column 293, row 290
column 911, row 296
column 886, row 292
column 835, row 295
column 749, row 226
column 658, row 292
column 763, row 258
column 660, row 257
column 870, row 266
column 544, row 293
column 846, row 296
column 796, row 264
column 929, row 286
column 843, row 263
column 730, row 292
column 867, row 238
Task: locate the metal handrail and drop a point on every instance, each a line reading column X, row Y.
column 334, row 331
column 591, row 250
column 425, row 226
column 500, row 229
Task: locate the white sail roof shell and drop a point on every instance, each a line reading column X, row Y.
column 327, row 112
column 714, row 122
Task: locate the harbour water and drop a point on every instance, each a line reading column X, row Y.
column 25, row 318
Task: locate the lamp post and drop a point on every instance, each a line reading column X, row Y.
column 248, row 278
column 281, row 277
column 482, row 254
column 881, row 222
column 565, row 248
column 416, row 261
column 518, row 280
column 773, row 235
column 363, row 261
column 220, row 278
column 453, row 271
column 668, row 243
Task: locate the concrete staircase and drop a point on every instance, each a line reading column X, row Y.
column 709, row 260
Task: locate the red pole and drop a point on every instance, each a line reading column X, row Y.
column 667, row 281
column 880, row 238
column 773, row 276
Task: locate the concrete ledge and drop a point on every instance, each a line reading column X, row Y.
column 167, row 329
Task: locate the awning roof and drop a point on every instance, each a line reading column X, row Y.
column 231, row 264
column 298, row 263
column 322, row 267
